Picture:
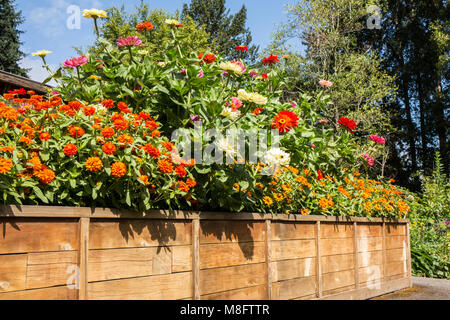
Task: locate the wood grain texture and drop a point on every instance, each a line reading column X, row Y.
column 338, row 279
column 113, row 234
column 13, row 272
column 294, row 288
column 338, row 263
column 291, row 269
column 113, row 264
column 50, row 269
column 231, row 231
column 336, row 230
column 231, row 254
column 229, row 278
column 293, row 249
column 54, row 293
column 181, row 258
column 336, row 246
column 370, row 244
column 395, row 229
column 366, row 230
column 371, row 273
column 38, row 235
column 161, row 287
column 370, row 258
column 393, row 242
column 292, row 231
column 251, row 293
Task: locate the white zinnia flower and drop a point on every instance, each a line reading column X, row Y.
column 172, row 22
column 277, row 157
column 94, row 13
column 230, row 113
column 225, row 145
column 252, row 97
column 232, row 67
column 41, row 53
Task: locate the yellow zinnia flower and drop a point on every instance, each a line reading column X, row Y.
column 41, row 53
column 94, row 13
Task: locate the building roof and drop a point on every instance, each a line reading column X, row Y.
column 22, row 82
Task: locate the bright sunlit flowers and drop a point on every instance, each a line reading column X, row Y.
column 94, row 13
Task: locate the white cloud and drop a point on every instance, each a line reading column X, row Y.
column 37, row 72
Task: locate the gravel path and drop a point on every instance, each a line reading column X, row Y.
column 423, row 289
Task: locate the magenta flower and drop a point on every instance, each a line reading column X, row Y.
column 236, row 103
column 313, row 145
column 183, row 71
column 293, row 104
column 447, row 223
column 201, row 74
column 370, row 160
column 325, row 83
column 76, row 62
column 323, row 121
column 194, row 117
column 377, row 139
column 253, row 73
column 130, row 42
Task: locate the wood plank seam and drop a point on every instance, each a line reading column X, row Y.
column 355, row 232
column 268, row 224
column 196, row 295
column 319, row 258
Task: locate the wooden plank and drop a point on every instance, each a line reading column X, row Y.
column 292, row 231
column 396, row 255
column 54, row 293
column 396, row 229
column 291, row 269
column 338, row 290
column 83, row 258
column 160, row 287
column 337, row 246
column 252, row 293
column 113, row 214
column 356, row 254
column 13, row 269
column 319, row 261
column 231, row 231
column 268, row 247
column 28, row 235
column 408, row 255
column 231, row 254
column 370, row 244
column 51, row 269
column 293, row 249
column 336, row 230
column 338, row 279
column 371, row 273
column 196, row 259
column 181, row 258
column 395, row 268
column 113, row 234
column 393, row 242
column 114, row 264
column 229, row 278
column 366, row 230
column 294, row 288
column 370, row 258
column 338, row 263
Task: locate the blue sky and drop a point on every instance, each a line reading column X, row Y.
column 45, row 25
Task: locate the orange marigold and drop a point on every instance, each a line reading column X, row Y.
column 121, row 124
column 44, row 136
column 75, row 131
column 183, row 187
column 191, row 183
column 118, row 169
column 46, row 175
column 94, row 164
column 181, row 171
column 125, row 139
column 5, row 165
column 152, row 151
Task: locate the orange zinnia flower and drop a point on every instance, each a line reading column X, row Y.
column 118, row 169
column 208, row 59
column 165, row 166
column 181, row 171
column 94, row 164
column 152, row 151
column 144, row 26
column 120, row 124
column 183, row 187
column 44, row 136
column 285, row 121
column 109, row 148
column 70, row 150
column 191, row 183
column 108, row 132
column 144, row 179
column 75, row 132
column 125, row 139
column 89, row 111
column 46, row 175
column 5, row 165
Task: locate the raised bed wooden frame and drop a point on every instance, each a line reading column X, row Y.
column 84, row 253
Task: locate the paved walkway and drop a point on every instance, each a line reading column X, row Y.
column 423, row 289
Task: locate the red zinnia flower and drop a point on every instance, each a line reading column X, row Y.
column 241, row 48
column 347, row 124
column 70, row 150
column 89, row 111
column 319, row 175
column 109, row 148
column 270, row 60
column 285, row 121
column 123, row 107
column 108, row 103
column 45, row 136
column 208, row 59
column 257, row 111
column 144, row 26
column 108, row 132
column 152, row 151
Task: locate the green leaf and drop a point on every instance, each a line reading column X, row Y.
column 39, row 194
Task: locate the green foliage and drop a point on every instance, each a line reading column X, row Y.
column 10, row 43
column 226, row 30
column 430, row 236
column 361, row 88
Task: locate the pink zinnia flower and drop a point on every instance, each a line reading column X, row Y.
column 293, row 104
column 377, row 139
column 76, row 62
column 201, row 74
column 323, row 121
column 369, row 159
column 253, row 73
column 183, row 71
column 236, row 103
column 239, row 63
column 130, row 41
column 325, row 83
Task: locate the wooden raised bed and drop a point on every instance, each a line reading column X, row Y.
column 191, row 255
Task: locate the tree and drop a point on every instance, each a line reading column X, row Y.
column 10, row 43
column 329, row 32
column 227, row 31
column 123, row 24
